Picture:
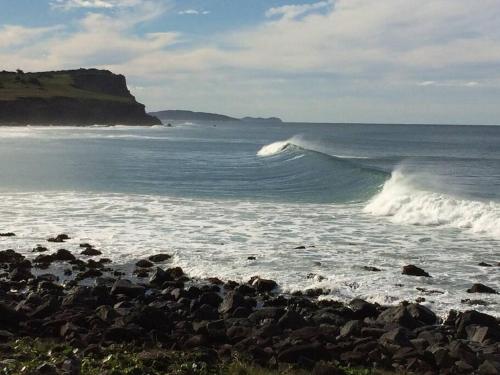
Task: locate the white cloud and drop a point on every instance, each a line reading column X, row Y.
column 15, row 35
column 292, row 11
column 103, row 4
column 193, row 12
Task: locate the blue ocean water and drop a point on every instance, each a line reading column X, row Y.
column 214, row 193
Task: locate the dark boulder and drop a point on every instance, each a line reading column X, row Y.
column 263, row 285
column 143, row 263
column 10, row 256
column 362, row 309
column 7, row 234
column 481, row 288
column 127, row 288
column 413, row 270
column 232, row 300
column 59, row 238
column 397, row 336
column 158, row 258
column 90, row 251
column 63, row 255
column 159, row 276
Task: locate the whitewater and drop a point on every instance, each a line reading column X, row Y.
column 314, row 204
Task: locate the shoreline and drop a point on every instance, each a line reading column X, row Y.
column 99, row 307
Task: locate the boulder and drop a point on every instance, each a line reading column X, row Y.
column 158, row 258
column 90, row 251
column 143, row 263
column 481, row 288
column 397, row 336
column 159, row 277
column 362, row 309
column 63, row 255
column 232, row 300
column 59, row 238
column 10, row 256
column 413, row 270
column 127, row 288
column 263, row 285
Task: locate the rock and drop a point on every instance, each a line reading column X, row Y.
column 210, row 298
column 473, row 317
column 90, row 251
column 483, row 264
column 106, row 313
column 120, row 334
column 89, row 274
column 292, row 320
column 127, row 288
column 8, row 234
column 481, row 288
column 143, row 263
column 397, row 316
column 481, row 334
column 20, row 274
column 10, row 256
column 489, row 368
column 9, row 317
column 371, row 269
column 412, row 270
column 422, row 314
column 397, row 336
column 363, row 309
column 46, row 309
column 63, row 255
column 297, row 353
column 302, row 247
column 175, row 272
column 59, row 238
column 232, row 300
column 159, row 277
column 351, row 328
column 46, row 369
column 158, row 258
column 251, row 258
column 71, row 366
column 263, row 285
column 39, row 249
column 325, row 368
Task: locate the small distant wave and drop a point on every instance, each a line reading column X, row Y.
column 406, row 204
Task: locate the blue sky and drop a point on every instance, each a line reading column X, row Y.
column 431, row 61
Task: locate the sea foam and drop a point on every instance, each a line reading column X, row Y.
column 406, row 204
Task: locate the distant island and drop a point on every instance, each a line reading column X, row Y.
column 69, row 97
column 183, row 115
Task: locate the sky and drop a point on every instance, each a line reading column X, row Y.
column 382, row 61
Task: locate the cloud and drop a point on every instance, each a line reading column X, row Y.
column 293, row 11
column 193, row 12
column 103, row 4
column 15, row 35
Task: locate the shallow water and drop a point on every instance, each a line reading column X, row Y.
column 354, row 195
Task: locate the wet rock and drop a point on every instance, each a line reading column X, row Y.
column 20, row 274
column 143, row 263
column 63, row 255
column 59, row 238
column 397, row 316
column 422, row 314
column 39, row 249
column 10, row 256
column 89, row 274
column 474, row 302
column 263, row 285
column 158, row 258
column 481, row 288
column 413, row 270
column 291, row 319
column 215, row 281
column 371, row 269
column 7, row 234
column 106, row 313
column 232, row 300
column 175, row 272
column 397, row 336
column 302, row 247
column 481, row 334
column 363, row 309
column 46, row 309
column 483, row 264
column 90, row 251
column 127, row 288
column 159, row 277
column 473, row 317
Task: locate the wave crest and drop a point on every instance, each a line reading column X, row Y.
column 274, row 148
column 406, row 204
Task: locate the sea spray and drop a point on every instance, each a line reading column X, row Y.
column 406, row 204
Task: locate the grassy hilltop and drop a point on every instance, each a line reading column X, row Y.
column 71, row 97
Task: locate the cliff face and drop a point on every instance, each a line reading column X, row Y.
column 73, row 97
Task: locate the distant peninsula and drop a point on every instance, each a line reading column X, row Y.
column 69, row 97
column 183, row 115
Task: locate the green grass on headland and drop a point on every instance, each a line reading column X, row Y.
column 27, row 355
column 47, row 85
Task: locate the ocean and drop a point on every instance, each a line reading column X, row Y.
column 313, row 203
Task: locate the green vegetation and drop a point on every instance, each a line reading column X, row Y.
column 25, row 356
column 15, row 85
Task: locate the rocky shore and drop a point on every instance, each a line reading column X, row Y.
column 158, row 309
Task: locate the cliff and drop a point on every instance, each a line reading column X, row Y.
column 178, row 115
column 71, row 97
